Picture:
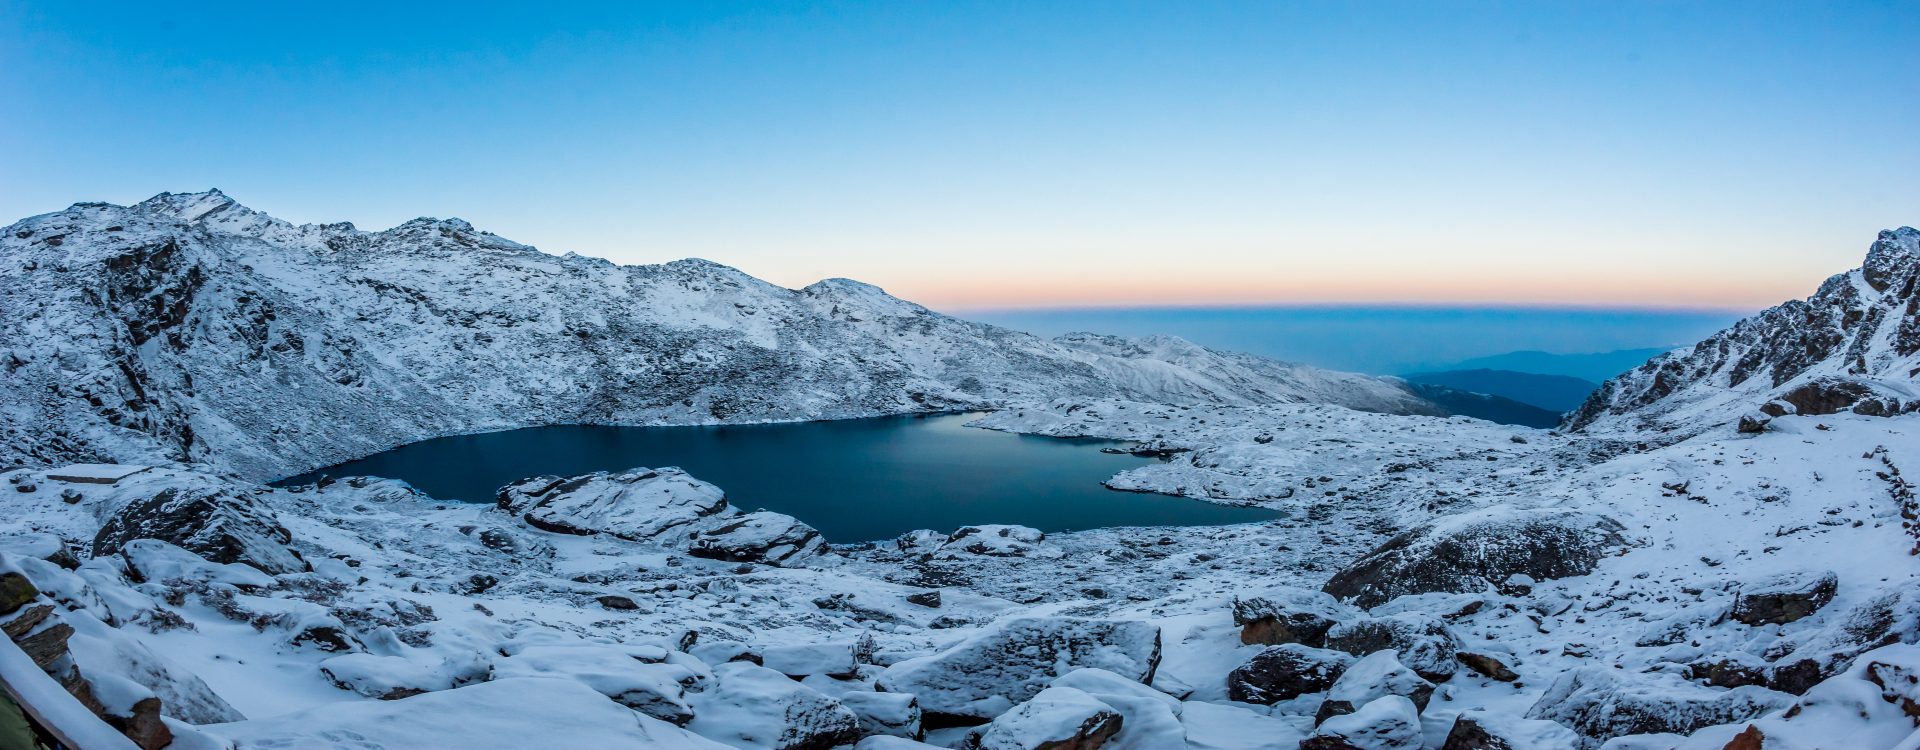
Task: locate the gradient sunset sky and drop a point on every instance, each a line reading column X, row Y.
column 991, row 155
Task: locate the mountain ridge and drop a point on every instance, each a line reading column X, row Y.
column 190, row 327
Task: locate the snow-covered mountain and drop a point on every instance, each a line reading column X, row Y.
column 1854, row 344
column 189, row 327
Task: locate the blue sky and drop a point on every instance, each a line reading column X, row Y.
column 992, row 155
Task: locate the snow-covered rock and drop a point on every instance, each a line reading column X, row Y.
column 797, row 661
column 524, row 712
column 889, row 714
column 1013, row 660
column 1373, row 676
column 1783, row 597
column 1601, row 703
column 752, row 707
column 640, row 504
column 1473, row 551
column 1286, row 671
column 1486, row 730
column 1386, row 723
column 1057, row 718
column 1289, row 615
column 215, row 523
column 1420, row 641
column 1149, row 718
column 656, row 689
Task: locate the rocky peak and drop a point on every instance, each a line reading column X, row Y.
column 1854, row 344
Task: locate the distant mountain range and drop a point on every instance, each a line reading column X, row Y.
column 1594, row 368
column 1556, row 393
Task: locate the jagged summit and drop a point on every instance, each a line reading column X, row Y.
column 1853, row 345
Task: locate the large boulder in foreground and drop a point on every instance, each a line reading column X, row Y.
column 1468, row 552
column 755, row 707
column 1058, row 718
column 1600, row 703
column 215, row 522
column 1289, row 615
column 1012, row 661
column 1420, row 641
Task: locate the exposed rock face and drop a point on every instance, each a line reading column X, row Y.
column 1057, row 718
column 1472, row 551
column 1600, row 703
column 1421, row 642
column 216, row 523
column 1288, row 615
column 198, row 329
column 1784, row 598
column 1855, row 343
column 995, row 540
column 1284, row 672
column 755, row 707
column 1012, row 661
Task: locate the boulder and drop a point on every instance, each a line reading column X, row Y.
column 658, row 690
column 1011, row 661
column 384, row 677
column 890, row 714
column 829, row 659
column 754, row 707
column 1472, row 551
column 1288, row 615
column 1057, row 718
column 1422, row 642
column 1600, row 703
column 1285, row 672
column 1783, row 598
column 637, row 505
column 1485, row 730
column 1220, row 726
column 1373, row 676
column 215, row 522
column 759, row 537
column 1387, row 723
column 158, row 561
column 1490, row 666
column 1149, row 718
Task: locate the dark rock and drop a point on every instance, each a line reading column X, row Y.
column 1784, row 598
column 1284, row 672
column 47, row 646
column 925, row 599
column 1489, row 666
column 1288, row 616
column 1482, row 730
column 27, row 620
column 1469, row 552
column 71, row 496
column 1424, row 643
column 615, row 601
column 15, row 592
column 216, row 523
column 327, row 638
column 1753, row 424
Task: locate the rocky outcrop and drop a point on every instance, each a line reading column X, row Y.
column 1783, row 598
column 1473, row 551
column 1285, row 672
column 759, row 537
column 218, row 523
column 1854, row 344
column 1485, row 730
column 1012, row 661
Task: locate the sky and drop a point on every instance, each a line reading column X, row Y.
column 1011, row 155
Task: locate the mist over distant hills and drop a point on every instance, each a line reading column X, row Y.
column 1396, row 340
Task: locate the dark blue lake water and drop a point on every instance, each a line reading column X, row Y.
column 854, row 480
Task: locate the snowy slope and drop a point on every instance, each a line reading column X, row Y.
column 1856, row 340
column 191, row 327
